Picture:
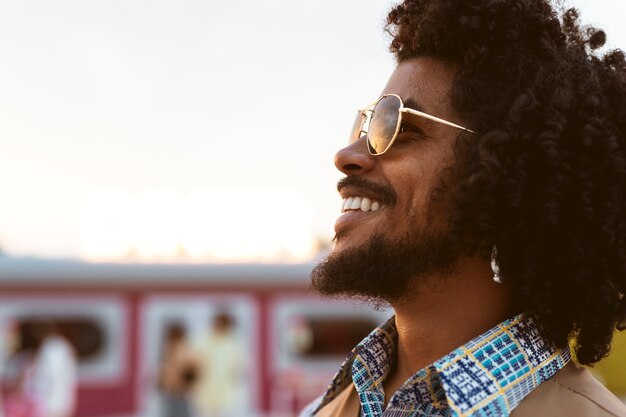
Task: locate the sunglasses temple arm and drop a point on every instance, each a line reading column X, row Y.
column 434, row 119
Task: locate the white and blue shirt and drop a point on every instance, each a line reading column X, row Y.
column 488, row 376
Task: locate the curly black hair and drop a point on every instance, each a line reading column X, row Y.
column 545, row 181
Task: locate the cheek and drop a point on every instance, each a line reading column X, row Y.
column 425, row 196
column 417, row 180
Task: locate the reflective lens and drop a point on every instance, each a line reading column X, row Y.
column 383, row 124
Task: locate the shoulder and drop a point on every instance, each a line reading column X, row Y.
column 572, row 392
column 310, row 408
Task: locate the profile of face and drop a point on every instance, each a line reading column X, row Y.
column 377, row 255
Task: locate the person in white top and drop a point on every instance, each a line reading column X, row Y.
column 55, row 376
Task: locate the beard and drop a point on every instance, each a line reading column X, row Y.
column 384, row 270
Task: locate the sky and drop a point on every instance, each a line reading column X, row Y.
column 186, row 130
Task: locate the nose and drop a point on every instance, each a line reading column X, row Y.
column 354, row 158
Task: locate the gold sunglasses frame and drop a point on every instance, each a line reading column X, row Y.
column 368, row 112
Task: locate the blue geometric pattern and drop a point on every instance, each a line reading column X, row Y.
column 487, row 377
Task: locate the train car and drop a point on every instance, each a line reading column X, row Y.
column 286, row 340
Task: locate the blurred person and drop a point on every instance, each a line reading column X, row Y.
column 43, row 373
column 485, row 201
column 19, row 399
column 54, row 376
column 8, row 345
column 221, row 388
column 178, row 373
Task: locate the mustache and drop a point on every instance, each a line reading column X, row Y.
column 384, row 193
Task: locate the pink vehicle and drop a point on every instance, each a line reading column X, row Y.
column 284, row 344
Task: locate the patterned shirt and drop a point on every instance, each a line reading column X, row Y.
column 488, row 376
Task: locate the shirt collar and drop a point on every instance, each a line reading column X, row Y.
column 490, row 375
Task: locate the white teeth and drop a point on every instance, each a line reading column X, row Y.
column 348, row 203
column 360, row 203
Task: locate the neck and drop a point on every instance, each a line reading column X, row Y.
column 444, row 315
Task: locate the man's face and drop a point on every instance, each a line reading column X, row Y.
column 408, row 234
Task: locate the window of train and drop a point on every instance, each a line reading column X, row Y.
column 320, row 337
column 95, row 327
column 86, row 335
column 315, row 335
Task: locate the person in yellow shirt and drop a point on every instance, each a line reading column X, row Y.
column 221, row 388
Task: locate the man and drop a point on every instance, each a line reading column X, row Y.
column 485, row 201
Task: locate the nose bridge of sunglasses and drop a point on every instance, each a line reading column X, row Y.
column 367, row 119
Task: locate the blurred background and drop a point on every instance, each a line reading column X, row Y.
column 166, row 184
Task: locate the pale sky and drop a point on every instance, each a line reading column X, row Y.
column 187, row 126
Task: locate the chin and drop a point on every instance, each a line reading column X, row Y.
column 381, row 269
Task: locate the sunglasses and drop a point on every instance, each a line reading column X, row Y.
column 381, row 121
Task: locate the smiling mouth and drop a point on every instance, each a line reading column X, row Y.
column 356, row 203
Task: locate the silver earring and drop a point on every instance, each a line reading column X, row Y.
column 494, row 266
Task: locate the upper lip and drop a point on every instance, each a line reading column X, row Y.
column 354, row 191
column 360, row 187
